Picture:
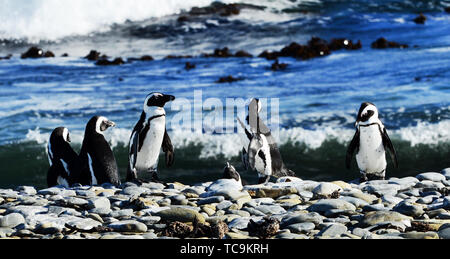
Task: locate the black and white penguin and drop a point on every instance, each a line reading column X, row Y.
column 98, row 161
column 260, row 151
column 231, row 180
column 370, row 142
column 64, row 162
column 148, row 137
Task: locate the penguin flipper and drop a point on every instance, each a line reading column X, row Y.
column 244, row 157
column 354, row 145
column 387, row 143
column 168, row 149
column 247, row 133
column 134, row 145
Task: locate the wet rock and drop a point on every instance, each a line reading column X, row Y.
column 178, row 57
column 420, row 19
column 143, row 58
column 382, row 43
column 106, row 62
column 188, row 66
column 229, row 79
column 312, row 217
column 301, row 228
column 7, row 57
column 36, row 52
column 278, row 66
column 222, row 9
column 94, row 56
column 342, row 43
column 243, row 54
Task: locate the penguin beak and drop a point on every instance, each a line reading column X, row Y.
column 110, row 124
column 169, row 98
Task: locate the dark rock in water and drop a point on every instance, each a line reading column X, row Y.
column 143, row 58
column 35, row 52
column 420, row 19
column 189, row 66
column 228, row 79
column 94, row 56
column 447, row 9
column 182, row 19
column 342, row 43
column 219, row 53
column 382, row 43
column 177, row 56
column 223, row 9
column 269, row 55
column 65, row 55
column 6, row 57
column 278, row 66
column 264, row 229
column 106, row 62
column 243, row 54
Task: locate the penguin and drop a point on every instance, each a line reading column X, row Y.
column 63, row 160
column 370, row 142
column 148, row 137
column 260, row 151
column 97, row 159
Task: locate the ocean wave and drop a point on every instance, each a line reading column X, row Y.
column 230, row 145
column 51, row 20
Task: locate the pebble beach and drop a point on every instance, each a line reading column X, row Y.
column 291, row 208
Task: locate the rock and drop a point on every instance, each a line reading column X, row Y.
column 290, row 236
column 7, row 57
column 229, row 79
column 181, row 215
column 232, row 235
column 430, row 185
column 278, row 66
column 239, row 223
column 435, row 177
column 420, row 235
column 420, row 19
column 129, row 226
column 301, row 228
column 50, row 191
column 11, row 220
column 326, row 191
column 271, row 209
column 36, row 52
column 381, row 189
column 83, row 224
column 312, row 217
column 444, row 231
column 28, row 211
column 323, row 206
column 29, row 190
column 188, row 66
column 342, row 43
column 446, row 172
column 409, row 209
column 99, row 203
column 270, row 192
column 382, row 43
column 213, row 199
column 333, row 230
column 369, row 198
column 143, row 58
column 243, row 54
column 374, row 217
column 93, row 55
column 106, row 62
column 224, row 205
column 358, row 203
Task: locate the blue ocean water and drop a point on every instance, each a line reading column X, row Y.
column 318, row 98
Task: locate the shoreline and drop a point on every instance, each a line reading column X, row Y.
column 397, row 208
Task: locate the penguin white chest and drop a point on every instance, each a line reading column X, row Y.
column 371, row 157
column 148, row 156
column 263, row 160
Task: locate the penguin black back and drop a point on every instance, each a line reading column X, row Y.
column 99, row 163
column 64, row 162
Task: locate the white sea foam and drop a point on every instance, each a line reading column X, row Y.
column 36, row 20
column 229, row 145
